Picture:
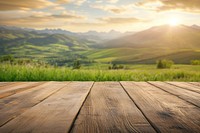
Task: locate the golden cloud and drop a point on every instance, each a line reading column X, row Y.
column 112, row 1
column 113, row 8
column 112, row 20
column 6, row 5
column 109, row 21
column 38, row 19
column 106, row 24
column 163, row 5
column 76, row 2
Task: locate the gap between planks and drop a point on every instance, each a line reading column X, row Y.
column 13, row 106
column 186, row 86
column 54, row 114
column 15, row 88
column 189, row 96
column 76, row 116
column 168, row 112
column 109, row 109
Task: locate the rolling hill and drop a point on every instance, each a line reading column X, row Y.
column 160, row 36
column 179, row 43
column 54, row 48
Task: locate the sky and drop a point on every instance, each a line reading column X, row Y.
column 98, row 15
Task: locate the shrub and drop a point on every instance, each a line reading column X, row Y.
column 161, row 64
column 77, row 64
column 115, row 66
column 195, row 62
column 7, row 58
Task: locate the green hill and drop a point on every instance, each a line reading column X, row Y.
column 180, row 43
column 53, row 48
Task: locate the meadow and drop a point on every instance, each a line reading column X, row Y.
column 98, row 72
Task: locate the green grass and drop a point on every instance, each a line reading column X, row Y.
column 142, row 55
column 97, row 73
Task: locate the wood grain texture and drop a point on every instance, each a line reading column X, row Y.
column 167, row 112
column 187, row 95
column 109, row 109
column 13, row 106
column 195, row 83
column 10, row 85
column 19, row 87
column 186, row 86
column 5, row 83
column 55, row 114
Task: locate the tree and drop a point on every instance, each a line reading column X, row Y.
column 6, row 58
column 115, row 66
column 77, row 64
column 164, row 64
column 195, row 62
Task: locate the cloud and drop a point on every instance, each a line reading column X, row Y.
column 58, row 8
column 6, row 5
column 114, row 8
column 112, row 1
column 79, row 2
column 163, row 5
column 38, row 19
column 112, row 20
column 107, row 23
column 63, row 1
column 76, row 2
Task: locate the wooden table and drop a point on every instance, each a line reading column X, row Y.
column 99, row 107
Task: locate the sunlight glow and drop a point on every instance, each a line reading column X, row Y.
column 174, row 21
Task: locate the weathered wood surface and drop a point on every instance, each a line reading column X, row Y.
column 195, row 83
column 49, row 107
column 186, row 86
column 109, row 109
column 168, row 113
column 55, row 114
column 6, row 91
column 5, row 83
column 15, row 105
column 187, row 95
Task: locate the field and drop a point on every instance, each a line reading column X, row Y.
column 98, row 72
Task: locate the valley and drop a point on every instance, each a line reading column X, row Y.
column 180, row 44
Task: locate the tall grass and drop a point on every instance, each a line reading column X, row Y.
column 10, row 72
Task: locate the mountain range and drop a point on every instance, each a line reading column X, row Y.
column 179, row 43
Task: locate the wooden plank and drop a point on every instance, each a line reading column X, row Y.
column 167, row 112
column 185, row 85
column 195, row 83
column 9, row 85
column 5, row 83
column 187, row 95
column 13, row 106
column 55, row 114
column 16, row 88
column 109, row 109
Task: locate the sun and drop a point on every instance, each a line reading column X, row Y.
column 174, row 21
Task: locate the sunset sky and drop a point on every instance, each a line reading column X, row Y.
column 99, row 15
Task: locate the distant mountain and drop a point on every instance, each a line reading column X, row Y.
column 57, row 46
column 160, row 36
column 104, row 35
column 54, row 48
column 56, row 31
column 98, row 37
column 90, row 35
column 152, row 44
column 195, row 26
